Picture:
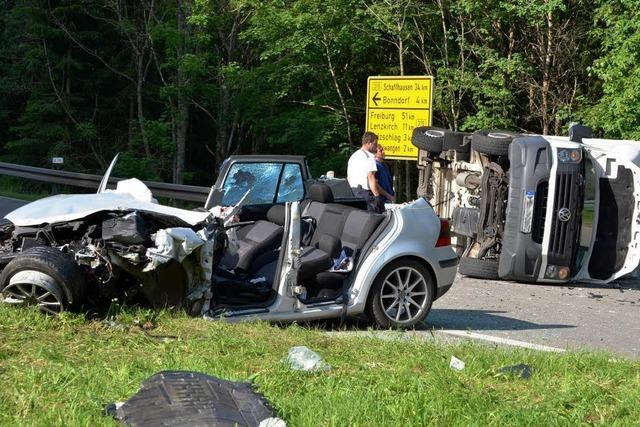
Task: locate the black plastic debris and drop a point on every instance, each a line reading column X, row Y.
column 128, row 229
column 179, row 398
column 521, row 370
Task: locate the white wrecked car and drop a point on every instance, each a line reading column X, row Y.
column 294, row 255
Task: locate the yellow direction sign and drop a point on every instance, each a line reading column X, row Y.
column 396, row 105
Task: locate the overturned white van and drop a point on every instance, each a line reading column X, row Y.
column 535, row 208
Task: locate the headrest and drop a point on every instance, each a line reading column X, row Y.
column 320, row 193
column 276, row 214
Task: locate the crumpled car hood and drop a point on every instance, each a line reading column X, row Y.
column 70, row 207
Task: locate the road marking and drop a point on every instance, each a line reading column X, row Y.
column 434, row 333
column 13, row 198
column 499, row 340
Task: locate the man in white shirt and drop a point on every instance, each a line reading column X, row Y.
column 361, row 174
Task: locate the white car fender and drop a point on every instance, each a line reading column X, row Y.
column 412, row 232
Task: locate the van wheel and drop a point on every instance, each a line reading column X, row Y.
column 43, row 277
column 492, row 142
column 401, row 295
column 479, row 268
column 428, row 138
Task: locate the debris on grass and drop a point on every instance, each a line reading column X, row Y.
column 272, row 422
column 162, row 338
column 111, row 409
column 302, row 358
column 114, row 325
column 193, row 398
column 521, row 370
column 147, row 326
column 456, row 364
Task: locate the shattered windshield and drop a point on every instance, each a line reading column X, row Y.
column 291, row 187
column 262, row 179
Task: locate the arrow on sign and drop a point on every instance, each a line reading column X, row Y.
column 375, row 99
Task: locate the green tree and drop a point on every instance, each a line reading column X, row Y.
column 178, row 86
column 616, row 112
column 55, row 90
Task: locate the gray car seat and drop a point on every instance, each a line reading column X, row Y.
column 338, row 228
column 257, row 238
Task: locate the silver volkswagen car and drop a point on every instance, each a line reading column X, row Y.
column 283, row 260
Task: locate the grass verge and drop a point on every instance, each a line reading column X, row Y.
column 14, row 194
column 64, row 371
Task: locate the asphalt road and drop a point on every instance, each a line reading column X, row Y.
column 573, row 316
column 8, row 204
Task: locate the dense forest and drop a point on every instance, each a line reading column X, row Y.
column 176, row 86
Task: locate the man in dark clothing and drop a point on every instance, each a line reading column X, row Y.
column 384, row 177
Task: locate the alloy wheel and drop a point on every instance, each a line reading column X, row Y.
column 34, row 288
column 404, row 294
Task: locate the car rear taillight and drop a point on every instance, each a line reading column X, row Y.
column 444, row 239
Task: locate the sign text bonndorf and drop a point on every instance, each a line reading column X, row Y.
column 396, row 105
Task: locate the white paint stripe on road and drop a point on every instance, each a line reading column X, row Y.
column 13, row 198
column 435, row 333
column 499, row 340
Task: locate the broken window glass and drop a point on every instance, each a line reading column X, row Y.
column 291, row 187
column 260, row 178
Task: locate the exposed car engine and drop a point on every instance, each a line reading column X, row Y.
column 122, row 255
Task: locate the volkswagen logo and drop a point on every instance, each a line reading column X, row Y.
column 564, row 214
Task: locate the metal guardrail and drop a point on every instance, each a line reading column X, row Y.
column 159, row 189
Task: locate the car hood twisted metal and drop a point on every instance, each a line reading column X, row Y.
column 70, row 207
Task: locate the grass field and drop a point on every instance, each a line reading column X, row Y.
column 15, row 194
column 23, row 189
column 64, row 371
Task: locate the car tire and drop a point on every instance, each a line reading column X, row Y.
column 414, row 281
column 428, row 138
column 479, row 268
column 45, row 277
column 492, row 142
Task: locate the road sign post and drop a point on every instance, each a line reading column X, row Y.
column 395, row 106
column 56, row 163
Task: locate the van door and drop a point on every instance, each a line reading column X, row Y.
column 615, row 247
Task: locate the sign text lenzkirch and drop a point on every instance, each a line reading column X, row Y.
column 396, row 105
